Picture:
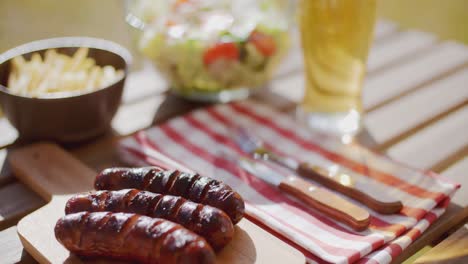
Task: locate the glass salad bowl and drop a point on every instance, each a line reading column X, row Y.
column 212, row 50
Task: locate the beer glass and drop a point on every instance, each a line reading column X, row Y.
column 336, row 36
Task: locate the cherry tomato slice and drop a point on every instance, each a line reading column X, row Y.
column 264, row 43
column 226, row 51
column 180, row 2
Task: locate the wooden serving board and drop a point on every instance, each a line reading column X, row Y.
column 56, row 175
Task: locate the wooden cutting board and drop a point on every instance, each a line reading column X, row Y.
column 56, row 175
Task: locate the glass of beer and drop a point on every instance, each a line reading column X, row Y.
column 336, row 36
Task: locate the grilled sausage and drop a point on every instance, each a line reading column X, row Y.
column 131, row 237
column 210, row 222
column 191, row 186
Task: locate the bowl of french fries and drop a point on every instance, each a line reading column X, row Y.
column 63, row 89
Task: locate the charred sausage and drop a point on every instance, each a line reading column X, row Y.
column 131, row 237
column 191, row 186
column 209, row 222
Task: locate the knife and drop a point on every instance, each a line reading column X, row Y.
column 332, row 178
column 319, row 198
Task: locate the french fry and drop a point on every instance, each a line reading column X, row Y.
column 22, row 84
column 93, row 78
column 36, row 59
column 12, row 78
column 87, row 64
column 57, row 72
column 62, row 62
column 78, row 58
column 36, row 71
column 18, row 62
column 49, row 56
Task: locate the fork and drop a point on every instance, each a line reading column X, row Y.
column 334, row 179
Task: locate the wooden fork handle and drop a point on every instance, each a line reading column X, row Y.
column 391, row 206
column 327, row 202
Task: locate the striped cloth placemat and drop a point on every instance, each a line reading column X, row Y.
column 199, row 139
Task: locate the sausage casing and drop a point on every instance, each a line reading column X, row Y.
column 209, row 222
column 191, row 186
column 132, row 237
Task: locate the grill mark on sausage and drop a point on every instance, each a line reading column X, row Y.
column 176, row 210
column 179, row 237
column 166, row 207
column 139, row 233
column 199, row 188
column 156, row 184
column 129, row 197
column 164, row 229
column 148, row 178
column 86, row 237
column 83, row 222
column 190, row 187
column 155, row 204
column 206, row 190
column 185, row 215
column 197, row 213
column 182, row 183
column 115, row 224
column 128, row 228
column 169, row 180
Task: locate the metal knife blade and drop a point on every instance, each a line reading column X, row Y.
column 261, row 171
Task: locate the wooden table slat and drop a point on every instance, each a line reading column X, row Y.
column 291, row 64
column 16, row 200
column 399, row 46
column 133, row 117
column 393, row 82
column 432, row 144
column 450, row 218
column 458, row 172
column 416, row 108
column 453, row 249
column 152, row 110
column 384, row 28
column 144, row 82
column 291, row 88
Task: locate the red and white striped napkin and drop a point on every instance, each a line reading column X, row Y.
column 200, row 139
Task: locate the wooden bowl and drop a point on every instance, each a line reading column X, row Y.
column 70, row 118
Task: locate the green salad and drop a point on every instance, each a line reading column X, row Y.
column 208, row 46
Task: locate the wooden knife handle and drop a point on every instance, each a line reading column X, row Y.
column 345, row 186
column 327, row 202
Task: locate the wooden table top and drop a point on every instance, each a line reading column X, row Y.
column 416, row 111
